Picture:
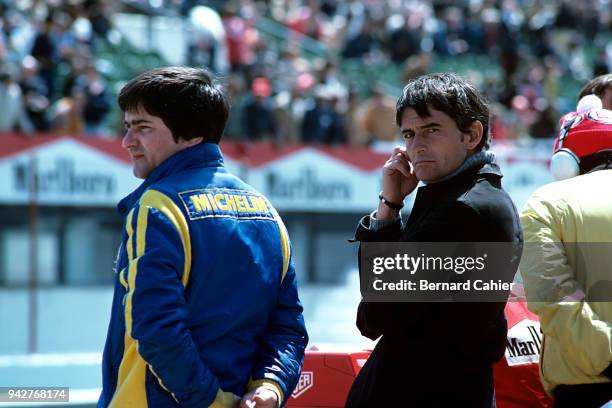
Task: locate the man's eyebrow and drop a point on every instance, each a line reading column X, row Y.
column 136, row 122
column 427, row 126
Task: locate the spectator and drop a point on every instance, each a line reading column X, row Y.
column 508, row 50
column 45, row 50
column 257, row 119
column 240, row 37
column 35, row 94
column 290, row 107
column 235, row 91
column 265, row 63
column 406, row 40
column 545, row 124
column 98, row 13
column 416, row 66
column 67, row 114
column 360, row 45
column 331, row 78
column 208, row 39
column 13, row 117
column 290, row 65
column 307, row 20
column 568, row 40
column 322, row 123
column 448, row 36
column 97, row 103
column 65, row 37
column 356, row 135
column 76, row 76
column 474, row 33
column 378, row 118
column 600, row 65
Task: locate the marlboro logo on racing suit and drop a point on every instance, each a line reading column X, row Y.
column 524, row 343
column 305, row 382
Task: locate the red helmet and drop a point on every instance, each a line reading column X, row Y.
column 582, row 136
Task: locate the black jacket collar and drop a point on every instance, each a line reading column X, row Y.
column 489, row 171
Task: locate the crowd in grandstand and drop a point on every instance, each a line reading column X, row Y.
column 534, row 50
column 48, row 76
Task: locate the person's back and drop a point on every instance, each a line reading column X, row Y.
column 566, row 260
column 577, row 214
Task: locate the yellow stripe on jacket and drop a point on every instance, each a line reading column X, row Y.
column 131, row 389
column 284, row 243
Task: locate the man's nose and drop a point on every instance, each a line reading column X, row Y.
column 128, row 139
column 419, row 144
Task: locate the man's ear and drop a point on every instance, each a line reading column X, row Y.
column 474, row 135
column 194, row 141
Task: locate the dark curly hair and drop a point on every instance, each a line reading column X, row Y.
column 450, row 94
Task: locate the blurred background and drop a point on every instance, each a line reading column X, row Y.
column 313, row 85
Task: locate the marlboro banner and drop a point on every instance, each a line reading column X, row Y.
column 81, row 171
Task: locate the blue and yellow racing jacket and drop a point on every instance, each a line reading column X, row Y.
column 206, row 302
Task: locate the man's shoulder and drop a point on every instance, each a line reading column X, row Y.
column 199, row 179
column 586, row 191
column 486, row 194
column 226, row 197
column 585, row 185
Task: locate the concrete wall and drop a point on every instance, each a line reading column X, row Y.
column 68, row 319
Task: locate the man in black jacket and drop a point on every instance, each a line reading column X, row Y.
column 437, row 354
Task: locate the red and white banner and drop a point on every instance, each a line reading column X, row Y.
column 72, row 171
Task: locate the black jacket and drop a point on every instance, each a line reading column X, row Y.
column 433, row 348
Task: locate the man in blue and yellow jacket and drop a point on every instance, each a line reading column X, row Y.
column 206, row 309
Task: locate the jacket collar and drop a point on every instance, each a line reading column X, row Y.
column 201, row 155
column 451, row 188
column 487, row 170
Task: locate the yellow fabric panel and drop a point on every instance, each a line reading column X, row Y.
column 224, row 400
column 132, row 371
column 122, row 279
column 131, row 391
column 285, row 248
column 163, row 203
column 130, row 234
column 284, row 242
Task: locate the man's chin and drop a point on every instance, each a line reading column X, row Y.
column 423, row 176
column 427, row 178
column 139, row 173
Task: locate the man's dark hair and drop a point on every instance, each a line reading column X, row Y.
column 186, row 100
column 597, row 86
column 450, row 94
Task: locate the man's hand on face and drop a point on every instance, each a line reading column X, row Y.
column 399, row 180
column 261, row 397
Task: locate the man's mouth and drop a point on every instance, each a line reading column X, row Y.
column 423, row 162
